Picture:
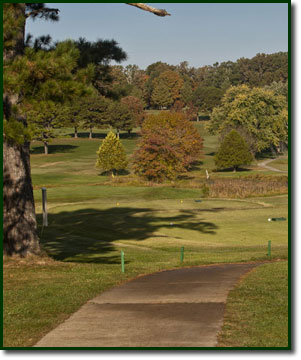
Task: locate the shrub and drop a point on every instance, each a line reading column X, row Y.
column 233, row 152
column 111, row 155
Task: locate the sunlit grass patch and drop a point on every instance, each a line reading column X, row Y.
column 257, row 309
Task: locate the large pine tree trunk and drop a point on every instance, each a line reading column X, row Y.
column 19, row 218
column 75, row 132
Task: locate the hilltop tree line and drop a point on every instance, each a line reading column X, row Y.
column 119, row 95
column 162, row 85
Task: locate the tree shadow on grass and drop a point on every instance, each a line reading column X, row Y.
column 85, row 135
column 53, row 149
column 196, row 165
column 121, row 172
column 87, row 235
column 230, row 170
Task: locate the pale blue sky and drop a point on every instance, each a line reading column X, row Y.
column 200, row 33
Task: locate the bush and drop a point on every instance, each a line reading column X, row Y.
column 169, row 145
column 233, row 152
column 111, row 155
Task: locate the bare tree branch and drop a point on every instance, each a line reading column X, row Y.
column 158, row 12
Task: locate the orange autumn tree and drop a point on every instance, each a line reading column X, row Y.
column 168, row 147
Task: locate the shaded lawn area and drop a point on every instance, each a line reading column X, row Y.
column 211, row 230
column 87, row 239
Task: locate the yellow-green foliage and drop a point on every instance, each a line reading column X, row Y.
column 260, row 113
column 111, row 154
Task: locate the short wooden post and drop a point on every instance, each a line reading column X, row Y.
column 44, row 202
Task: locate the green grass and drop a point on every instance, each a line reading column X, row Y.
column 214, row 230
column 85, row 240
column 280, row 164
column 257, row 309
column 90, row 222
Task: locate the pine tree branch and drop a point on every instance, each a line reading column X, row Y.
column 158, row 12
column 42, row 12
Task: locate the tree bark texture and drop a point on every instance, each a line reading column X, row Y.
column 19, row 218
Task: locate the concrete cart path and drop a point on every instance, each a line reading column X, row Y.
column 172, row 308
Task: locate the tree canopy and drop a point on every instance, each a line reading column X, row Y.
column 259, row 113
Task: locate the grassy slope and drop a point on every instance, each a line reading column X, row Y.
column 257, row 309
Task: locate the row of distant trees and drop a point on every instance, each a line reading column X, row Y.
column 117, row 95
column 90, row 112
column 162, row 85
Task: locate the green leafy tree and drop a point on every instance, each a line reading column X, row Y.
column 279, row 88
column 169, row 145
column 111, row 155
column 44, row 119
column 93, row 113
column 233, row 152
column 206, row 98
column 120, row 117
column 186, row 93
column 262, row 115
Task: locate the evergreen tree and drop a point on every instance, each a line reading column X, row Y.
column 233, row 152
column 120, row 117
column 19, row 220
column 93, row 112
column 30, row 75
column 43, row 119
column 111, row 155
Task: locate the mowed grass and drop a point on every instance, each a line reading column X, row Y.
column 72, row 161
column 257, row 310
column 139, row 219
column 280, row 164
column 90, row 223
column 84, row 239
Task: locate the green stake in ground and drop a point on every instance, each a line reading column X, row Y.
column 182, row 254
column 269, row 248
column 122, row 261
